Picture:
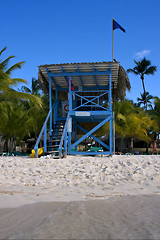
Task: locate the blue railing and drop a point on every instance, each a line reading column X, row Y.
column 64, row 138
column 43, row 131
column 90, row 101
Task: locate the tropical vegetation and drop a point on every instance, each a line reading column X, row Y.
column 23, row 111
column 143, row 68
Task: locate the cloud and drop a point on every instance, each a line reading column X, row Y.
column 143, row 53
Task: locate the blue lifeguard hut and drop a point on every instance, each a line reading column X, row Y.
column 78, row 93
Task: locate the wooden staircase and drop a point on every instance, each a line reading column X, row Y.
column 54, row 140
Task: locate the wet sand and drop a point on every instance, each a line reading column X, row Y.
column 132, row 217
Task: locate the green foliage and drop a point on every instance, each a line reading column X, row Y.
column 22, row 113
column 145, row 98
column 132, row 121
column 142, row 68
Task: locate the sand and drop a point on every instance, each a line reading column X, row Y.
column 80, row 197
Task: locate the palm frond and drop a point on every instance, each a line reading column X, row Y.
column 25, row 89
column 15, row 81
column 151, row 70
column 3, row 50
column 14, row 67
column 3, row 65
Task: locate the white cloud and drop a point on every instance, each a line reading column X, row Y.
column 143, row 53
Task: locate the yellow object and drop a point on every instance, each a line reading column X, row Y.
column 40, row 152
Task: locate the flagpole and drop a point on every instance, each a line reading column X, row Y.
column 113, row 121
column 112, row 42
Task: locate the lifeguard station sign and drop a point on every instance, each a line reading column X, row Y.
column 65, row 108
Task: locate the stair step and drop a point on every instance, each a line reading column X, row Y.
column 52, row 146
column 54, row 140
column 50, row 152
column 58, row 130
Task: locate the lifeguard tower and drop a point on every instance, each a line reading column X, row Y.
column 78, row 93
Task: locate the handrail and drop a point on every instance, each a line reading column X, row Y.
column 63, row 135
column 41, row 132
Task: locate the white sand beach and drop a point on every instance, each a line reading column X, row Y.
column 80, row 197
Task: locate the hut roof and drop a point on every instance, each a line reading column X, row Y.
column 79, row 79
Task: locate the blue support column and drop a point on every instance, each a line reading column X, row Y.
column 69, row 133
column 50, row 105
column 75, row 123
column 65, row 145
column 70, row 95
column 70, row 119
column 56, row 106
column 111, row 120
column 45, row 137
column 111, row 136
column 110, row 93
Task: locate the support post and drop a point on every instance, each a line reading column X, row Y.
column 45, row 138
column 75, row 127
column 65, row 145
column 111, row 135
column 110, row 93
column 70, row 95
column 69, row 133
column 111, row 120
column 50, row 105
column 112, row 42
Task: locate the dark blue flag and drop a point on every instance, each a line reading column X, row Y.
column 117, row 26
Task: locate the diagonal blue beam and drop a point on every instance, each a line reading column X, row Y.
column 91, row 131
column 95, row 138
column 55, row 84
column 90, row 101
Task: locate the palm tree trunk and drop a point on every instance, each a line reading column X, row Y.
column 142, row 77
column 11, row 144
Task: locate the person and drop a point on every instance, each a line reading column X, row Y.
column 155, row 147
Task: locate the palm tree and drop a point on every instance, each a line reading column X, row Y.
column 35, row 88
column 155, row 114
column 142, row 68
column 7, row 83
column 13, row 122
column 143, row 99
column 131, row 122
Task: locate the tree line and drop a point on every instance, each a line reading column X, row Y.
column 24, row 110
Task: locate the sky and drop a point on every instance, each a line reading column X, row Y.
column 68, row 31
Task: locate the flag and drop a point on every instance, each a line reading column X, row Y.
column 117, row 26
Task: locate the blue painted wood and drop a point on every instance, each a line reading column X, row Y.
column 41, row 132
column 56, row 106
column 45, row 137
column 90, row 153
column 77, row 73
column 91, row 131
column 84, row 88
column 95, row 138
column 111, row 135
column 65, row 142
column 64, row 132
column 50, row 106
column 75, row 125
column 90, row 99
column 70, row 95
column 104, row 115
column 110, row 94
